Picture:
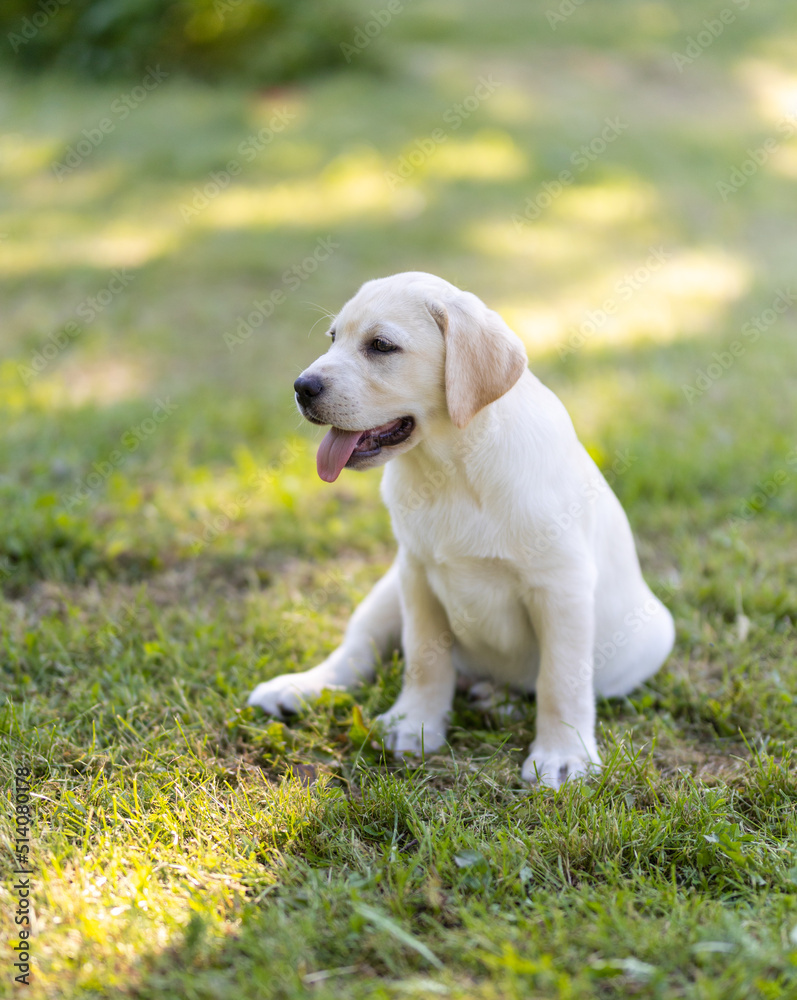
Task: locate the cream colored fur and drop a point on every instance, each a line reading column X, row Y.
column 516, row 563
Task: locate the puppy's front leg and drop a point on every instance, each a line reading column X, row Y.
column 564, row 747
column 373, row 631
column 418, row 720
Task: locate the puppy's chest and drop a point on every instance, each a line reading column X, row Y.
column 446, row 525
column 470, row 563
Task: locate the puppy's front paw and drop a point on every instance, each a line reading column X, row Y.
column 287, row 693
column 408, row 732
column 553, row 767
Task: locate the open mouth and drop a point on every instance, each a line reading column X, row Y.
column 341, row 448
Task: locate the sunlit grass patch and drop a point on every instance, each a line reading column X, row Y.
column 154, row 570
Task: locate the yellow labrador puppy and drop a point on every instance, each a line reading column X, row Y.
column 516, row 563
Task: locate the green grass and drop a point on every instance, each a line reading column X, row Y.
column 186, row 846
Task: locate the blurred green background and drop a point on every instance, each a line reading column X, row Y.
column 187, row 191
column 257, row 41
column 119, row 155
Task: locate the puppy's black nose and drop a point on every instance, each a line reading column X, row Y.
column 307, row 388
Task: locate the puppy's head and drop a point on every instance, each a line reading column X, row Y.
column 406, row 351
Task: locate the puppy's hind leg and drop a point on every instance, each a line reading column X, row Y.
column 649, row 642
column 373, row 632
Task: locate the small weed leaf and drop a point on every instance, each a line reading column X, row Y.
column 471, row 859
column 383, row 922
column 631, row 967
column 359, row 733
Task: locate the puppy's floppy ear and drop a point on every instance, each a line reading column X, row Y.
column 484, row 358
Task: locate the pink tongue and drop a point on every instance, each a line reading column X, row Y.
column 334, row 452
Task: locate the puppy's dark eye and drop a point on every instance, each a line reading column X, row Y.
column 382, row 345
column 331, row 336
